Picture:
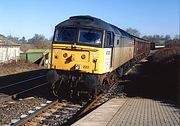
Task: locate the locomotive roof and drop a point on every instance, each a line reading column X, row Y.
column 86, row 21
column 89, row 21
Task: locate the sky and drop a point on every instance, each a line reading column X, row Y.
column 28, row 17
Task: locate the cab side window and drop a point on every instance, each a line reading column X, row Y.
column 109, row 39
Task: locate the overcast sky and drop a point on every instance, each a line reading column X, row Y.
column 27, row 17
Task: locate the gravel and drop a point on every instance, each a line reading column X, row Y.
column 61, row 115
column 15, row 109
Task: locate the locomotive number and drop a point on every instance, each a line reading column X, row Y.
column 108, row 52
column 85, row 67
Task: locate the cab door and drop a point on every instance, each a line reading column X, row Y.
column 108, row 47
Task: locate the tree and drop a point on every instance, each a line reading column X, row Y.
column 36, row 38
column 39, row 41
column 134, row 32
column 177, row 37
column 156, row 38
column 51, row 39
column 24, row 47
column 148, row 37
column 167, row 37
column 23, row 40
column 12, row 39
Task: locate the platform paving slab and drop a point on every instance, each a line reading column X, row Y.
column 146, row 112
column 133, row 112
column 102, row 115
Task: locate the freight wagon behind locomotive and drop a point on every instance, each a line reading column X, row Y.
column 88, row 54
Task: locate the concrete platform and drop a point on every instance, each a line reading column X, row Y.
column 133, row 112
column 102, row 115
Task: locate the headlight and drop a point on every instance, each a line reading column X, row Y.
column 77, row 67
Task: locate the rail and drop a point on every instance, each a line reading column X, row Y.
column 17, row 83
column 92, row 104
column 31, row 116
column 11, row 97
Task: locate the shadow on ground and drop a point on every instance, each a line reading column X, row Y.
column 153, row 79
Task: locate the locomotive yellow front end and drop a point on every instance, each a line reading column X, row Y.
column 71, row 57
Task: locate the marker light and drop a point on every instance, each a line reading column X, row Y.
column 65, row 55
column 56, row 57
column 83, row 56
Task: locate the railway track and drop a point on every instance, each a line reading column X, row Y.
column 47, row 114
column 50, row 113
column 19, row 94
column 35, row 114
column 59, row 113
column 7, row 102
column 20, row 82
column 15, row 90
column 24, row 93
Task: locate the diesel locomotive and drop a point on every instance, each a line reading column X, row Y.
column 88, row 54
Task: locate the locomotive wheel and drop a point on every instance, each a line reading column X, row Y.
column 55, row 88
column 93, row 93
column 105, row 85
column 90, row 85
column 60, row 88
